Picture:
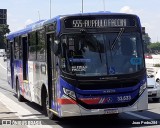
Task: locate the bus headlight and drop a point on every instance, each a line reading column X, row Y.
column 69, row 93
column 142, row 88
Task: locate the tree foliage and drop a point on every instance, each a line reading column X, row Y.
column 4, row 29
column 154, row 47
column 147, row 42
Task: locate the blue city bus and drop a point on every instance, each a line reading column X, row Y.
column 80, row 64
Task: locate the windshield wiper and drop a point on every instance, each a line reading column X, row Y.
column 94, row 40
column 117, row 38
column 99, row 50
column 94, row 43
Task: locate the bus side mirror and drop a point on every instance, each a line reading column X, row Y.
column 56, row 47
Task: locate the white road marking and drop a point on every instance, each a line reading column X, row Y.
column 22, row 113
column 3, row 66
column 139, row 116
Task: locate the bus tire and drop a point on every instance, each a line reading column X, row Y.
column 19, row 96
column 112, row 116
column 45, row 106
column 51, row 116
column 116, row 115
column 155, row 99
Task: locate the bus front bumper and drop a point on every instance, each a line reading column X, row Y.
column 73, row 109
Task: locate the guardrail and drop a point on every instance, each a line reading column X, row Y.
column 152, row 62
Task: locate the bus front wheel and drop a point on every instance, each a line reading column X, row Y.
column 45, row 105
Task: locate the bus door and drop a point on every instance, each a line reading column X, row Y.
column 10, row 64
column 24, row 58
column 51, row 72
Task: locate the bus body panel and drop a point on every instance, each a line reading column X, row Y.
column 31, row 78
column 37, row 78
column 9, row 72
column 23, row 84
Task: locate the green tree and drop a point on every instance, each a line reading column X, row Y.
column 154, row 47
column 4, row 29
column 147, row 42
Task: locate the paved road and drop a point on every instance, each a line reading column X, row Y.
column 10, row 108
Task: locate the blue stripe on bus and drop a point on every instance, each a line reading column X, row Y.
column 63, row 83
column 121, row 95
column 111, row 99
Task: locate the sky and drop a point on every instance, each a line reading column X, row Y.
column 23, row 12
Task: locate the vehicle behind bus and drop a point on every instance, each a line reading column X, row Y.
column 2, row 52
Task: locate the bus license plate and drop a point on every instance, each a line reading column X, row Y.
column 111, row 111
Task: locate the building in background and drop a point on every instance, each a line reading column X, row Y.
column 3, row 27
column 147, row 40
column 3, row 16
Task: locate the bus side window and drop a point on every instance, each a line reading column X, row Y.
column 32, row 46
column 41, row 47
column 16, row 48
column 8, row 49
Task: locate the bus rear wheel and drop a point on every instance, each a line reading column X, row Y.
column 19, row 96
column 111, row 116
column 45, row 105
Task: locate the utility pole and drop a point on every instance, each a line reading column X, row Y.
column 104, row 6
column 39, row 16
column 82, row 6
column 50, row 9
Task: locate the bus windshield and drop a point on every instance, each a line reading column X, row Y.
column 102, row 54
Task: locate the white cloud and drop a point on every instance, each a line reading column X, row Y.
column 29, row 21
column 147, row 25
column 126, row 9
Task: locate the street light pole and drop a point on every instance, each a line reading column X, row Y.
column 104, row 7
column 50, row 9
column 82, row 6
column 39, row 15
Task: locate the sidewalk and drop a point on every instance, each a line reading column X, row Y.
column 10, row 117
column 6, row 115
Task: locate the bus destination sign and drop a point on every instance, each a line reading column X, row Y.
column 99, row 22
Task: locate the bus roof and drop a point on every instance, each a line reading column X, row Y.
column 28, row 28
column 39, row 24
